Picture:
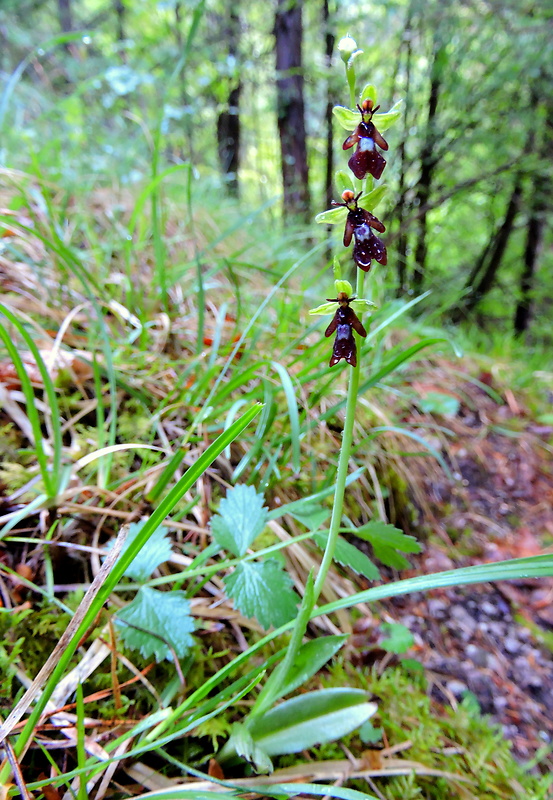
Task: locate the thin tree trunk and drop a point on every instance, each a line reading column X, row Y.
column 539, row 202
column 329, row 47
column 401, row 249
column 65, row 16
column 496, row 250
column 119, row 7
column 290, row 108
column 228, row 122
column 428, row 161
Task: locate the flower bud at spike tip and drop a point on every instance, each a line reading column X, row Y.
column 346, row 47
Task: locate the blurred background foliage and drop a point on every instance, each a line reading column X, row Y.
column 108, row 93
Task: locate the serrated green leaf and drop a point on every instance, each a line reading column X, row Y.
column 261, row 589
column 333, row 216
column 349, row 556
column 371, row 199
column 347, row 118
column 240, row 520
column 369, row 91
column 310, row 719
column 399, row 638
column 383, row 533
column 312, row 515
column 387, row 119
column 156, row 551
column 389, row 556
column 163, row 619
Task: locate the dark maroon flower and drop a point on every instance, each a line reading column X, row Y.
column 366, row 159
column 344, row 322
column 359, row 224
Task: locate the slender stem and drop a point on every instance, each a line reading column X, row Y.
column 345, row 451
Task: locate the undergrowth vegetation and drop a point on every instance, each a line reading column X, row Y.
column 175, row 559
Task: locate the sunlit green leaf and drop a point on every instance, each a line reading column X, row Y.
column 310, row 719
column 158, row 624
column 240, row 520
column 264, row 591
column 383, row 533
column 156, row 551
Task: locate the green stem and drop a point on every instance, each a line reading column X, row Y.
column 345, row 452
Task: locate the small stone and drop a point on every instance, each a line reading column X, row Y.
column 457, row 687
column 511, row 645
column 436, row 608
column 488, row 608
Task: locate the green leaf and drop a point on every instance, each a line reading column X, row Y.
column 245, row 747
column 369, row 734
column 349, row 556
column 156, row 551
column 264, row 591
column 310, row 719
column 399, row 639
column 390, row 557
column 333, row 216
column 309, row 659
column 312, row 515
column 383, row 533
column 241, row 519
column 347, row 118
column 164, row 622
column 387, row 119
column 439, row 403
column 318, row 789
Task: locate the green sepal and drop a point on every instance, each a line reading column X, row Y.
column 343, row 286
column 369, row 91
column 343, row 181
column 387, row 119
column 347, row 118
column 371, row 199
column 325, row 308
column 361, row 305
column 332, row 217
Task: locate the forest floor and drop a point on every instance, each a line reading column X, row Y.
column 493, row 640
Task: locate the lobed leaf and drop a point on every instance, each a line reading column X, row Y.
column 382, row 533
column 156, row 551
column 163, row 624
column 241, row 519
column 262, row 589
column 350, row 556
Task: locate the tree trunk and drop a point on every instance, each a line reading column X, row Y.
column 65, row 16
column 290, row 108
column 539, row 203
column 228, row 122
column 495, row 249
column 401, row 248
column 428, row 160
column 119, row 8
column 329, row 47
